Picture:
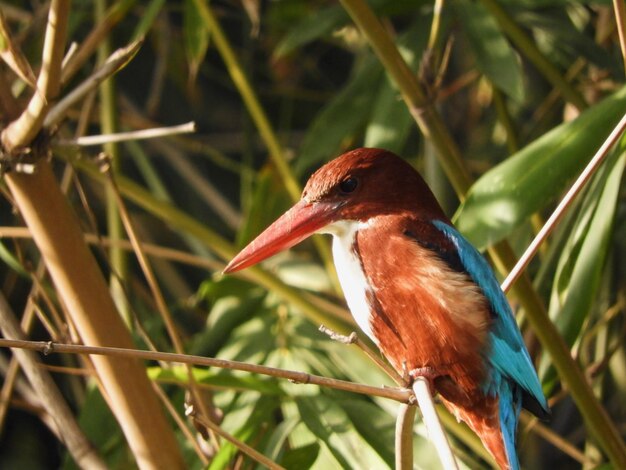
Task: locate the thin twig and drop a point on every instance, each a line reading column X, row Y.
column 533, row 425
column 404, row 436
column 48, row 347
column 433, row 425
column 242, row 446
column 558, row 213
column 113, row 64
column 181, row 424
column 169, row 254
column 132, row 135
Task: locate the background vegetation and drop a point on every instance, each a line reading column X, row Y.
column 500, row 105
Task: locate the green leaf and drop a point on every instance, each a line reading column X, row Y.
column 390, row 121
column 196, row 38
column 504, row 197
column 570, row 306
column 252, row 423
column 147, row 19
column 278, row 438
column 221, row 380
column 103, row 431
column 581, row 265
column 321, row 23
column 313, row 27
column 332, row 426
column 267, row 200
column 493, row 54
column 233, row 302
column 301, row 457
column 11, row 261
column 375, row 425
column 342, row 118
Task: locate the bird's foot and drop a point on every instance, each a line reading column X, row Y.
column 428, row 373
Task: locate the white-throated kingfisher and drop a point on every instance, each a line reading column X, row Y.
column 417, row 288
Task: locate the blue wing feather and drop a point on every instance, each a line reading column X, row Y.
column 508, row 354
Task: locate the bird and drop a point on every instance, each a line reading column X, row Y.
column 418, row 289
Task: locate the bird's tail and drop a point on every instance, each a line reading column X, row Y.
column 495, row 423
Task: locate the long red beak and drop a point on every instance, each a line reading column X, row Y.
column 299, row 222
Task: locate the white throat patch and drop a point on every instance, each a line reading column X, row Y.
column 350, row 271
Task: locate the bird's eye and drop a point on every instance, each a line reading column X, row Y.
column 348, row 185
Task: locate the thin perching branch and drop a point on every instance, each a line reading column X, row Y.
column 402, row 395
column 436, row 433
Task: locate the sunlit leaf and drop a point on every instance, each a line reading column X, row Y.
column 579, row 273
column 252, row 422
column 507, row 195
column 332, row 426
column 251, row 382
column 571, row 305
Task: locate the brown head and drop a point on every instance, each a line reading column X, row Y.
column 358, row 185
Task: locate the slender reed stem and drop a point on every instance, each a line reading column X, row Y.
column 433, row 425
column 565, row 203
column 620, row 20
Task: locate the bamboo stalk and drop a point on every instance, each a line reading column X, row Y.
column 83, row 290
